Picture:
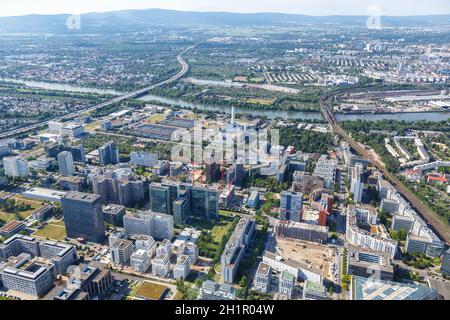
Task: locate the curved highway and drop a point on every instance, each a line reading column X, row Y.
column 130, row 95
column 442, row 229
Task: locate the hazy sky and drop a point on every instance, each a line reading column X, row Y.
column 310, row 7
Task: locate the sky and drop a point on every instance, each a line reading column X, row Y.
column 309, row 7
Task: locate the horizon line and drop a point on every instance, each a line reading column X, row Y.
column 225, row 12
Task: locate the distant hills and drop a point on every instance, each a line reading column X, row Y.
column 139, row 20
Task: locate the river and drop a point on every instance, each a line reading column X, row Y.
column 271, row 114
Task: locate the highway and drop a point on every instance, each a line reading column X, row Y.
column 426, row 213
column 130, row 95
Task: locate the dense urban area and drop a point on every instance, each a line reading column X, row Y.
column 259, row 161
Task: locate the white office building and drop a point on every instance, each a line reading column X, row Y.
column 15, row 167
column 65, row 162
column 156, row 225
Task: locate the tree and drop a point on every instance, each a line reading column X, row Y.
column 243, row 281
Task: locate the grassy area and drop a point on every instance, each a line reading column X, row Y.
column 9, row 216
column 221, row 229
column 265, row 102
column 149, row 290
column 52, row 231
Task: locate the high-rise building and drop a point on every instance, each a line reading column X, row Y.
column 326, row 169
column 181, row 210
column 15, row 167
column 204, row 203
column 118, row 190
column 160, row 198
column 65, row 162
column 83, row 216
column 291, row 204
column 108, row 154
column 212, row 170
column 356, row 186
column 445, row 268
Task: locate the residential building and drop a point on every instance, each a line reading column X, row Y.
column 121, row 252
column 356, row 186
column 140, row 260
column 235, row 248
column 291, row 204
column 182, row 268
column 213, row 291
column 161, row 266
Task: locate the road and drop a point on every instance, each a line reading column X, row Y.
column 130, row 95
column 426, row 213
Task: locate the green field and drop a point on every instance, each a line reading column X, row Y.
column 52, row 231
column 149, row 290
column 9, row 216
column 222, row 228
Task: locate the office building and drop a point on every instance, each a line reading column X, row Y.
column 15, row 167
column 156, row 225
column 31, row 276
column 204, row 203
column 376, row 289
column 181, row 209
column 11, row 228
column 314, row 291
column 356, row 186
column 108, row 154
column 286, row 284
column 94, row 278
column 65, row 162
column 118, row 187
column 445, row 268
column 291, row 204
column 212, row 171
column 113, row 214
column 140, row 261
column 253, row 200
column 301, row 231
column 62, row 255
column 263, row 277
column 83, row 216
column 121, row 252
column 143, row 159
column 160, row 198
column 182, row 268
column 367, row 263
